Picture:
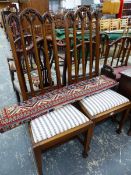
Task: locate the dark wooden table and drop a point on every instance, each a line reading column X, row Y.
column 125, row 88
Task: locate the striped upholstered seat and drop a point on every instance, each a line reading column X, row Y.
column 102, row 102
column 56, row 122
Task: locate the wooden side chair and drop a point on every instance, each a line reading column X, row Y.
column 60, row 124
column 13, row 8
column 26, row 81
column 10, row 9
column 103, row 45
column 4, row 14
column 48, row 29
column 101, row 105
column 59, row 20
column 123, row 23
column 117, row 56
column 126, row 31
column 104, row 41
column 115, row 24
column 105, row 24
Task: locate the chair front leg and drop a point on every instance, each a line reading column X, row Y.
column 87, row 140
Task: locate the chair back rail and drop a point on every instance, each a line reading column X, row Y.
column 59, row 20
column 126, row 31
column 103, row 43
column 123, row 23
column 117, row 53
column 38, row 47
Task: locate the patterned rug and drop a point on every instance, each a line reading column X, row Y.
column 17, row 114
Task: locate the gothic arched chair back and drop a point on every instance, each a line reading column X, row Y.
column 41, row 48
column 81, row 53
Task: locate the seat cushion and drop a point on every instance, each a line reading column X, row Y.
column 56, row 122
column 103, row 101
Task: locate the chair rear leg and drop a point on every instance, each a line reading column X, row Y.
column 87, row 140
column 129, row 131
column 122, row 121
column 38, row 159
column 17, row 96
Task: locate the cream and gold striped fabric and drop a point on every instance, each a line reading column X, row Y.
column 56, row 122
column 103, row 101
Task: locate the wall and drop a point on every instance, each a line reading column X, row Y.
column 70, row 4
column 88, row 2
column 4, row 4
column 40, row 5
column 54, row 5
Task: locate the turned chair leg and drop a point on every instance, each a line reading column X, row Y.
column 122, row 121
column 38, row 159
column 87, row 140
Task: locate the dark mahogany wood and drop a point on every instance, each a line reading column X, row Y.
column 125, row 83
column 125, row 89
